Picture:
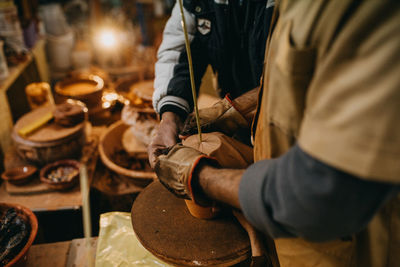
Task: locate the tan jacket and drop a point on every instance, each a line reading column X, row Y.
column 332, row 84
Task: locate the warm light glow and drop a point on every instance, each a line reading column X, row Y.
column 110, row 97
column 107, row 38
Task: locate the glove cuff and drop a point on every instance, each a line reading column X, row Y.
column 233, row 104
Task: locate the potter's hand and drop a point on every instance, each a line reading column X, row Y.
column 221, row 117
column 176, row 170
column 166, row 136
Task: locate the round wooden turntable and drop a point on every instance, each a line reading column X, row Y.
column 165, row 227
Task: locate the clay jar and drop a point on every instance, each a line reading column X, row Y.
column 87, row 88
column 229, row 153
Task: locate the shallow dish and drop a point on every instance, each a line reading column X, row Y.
column 60, row 175
column 26, row 215
column 19, row 175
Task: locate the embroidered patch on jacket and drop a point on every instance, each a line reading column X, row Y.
column 204, row 26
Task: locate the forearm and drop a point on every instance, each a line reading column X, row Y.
column 220, row 184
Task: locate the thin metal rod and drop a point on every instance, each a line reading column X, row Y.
column 189, row 56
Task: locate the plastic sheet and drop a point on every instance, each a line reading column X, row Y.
column 118, row 246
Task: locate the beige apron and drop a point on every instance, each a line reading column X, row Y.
column 307, row 85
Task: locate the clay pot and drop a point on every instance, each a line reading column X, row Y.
column 87, row 88
column 50, row 142
column 201, row 212
column 61, row 185
column 110, row 142
column 29, row 216
column 19, row 175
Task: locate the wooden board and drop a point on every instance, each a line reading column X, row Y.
column 47, row 133
column 78, row 252
column 33, row 187
column 56, row 200
column 53, row 254
column 164, row 226
column 60, row 254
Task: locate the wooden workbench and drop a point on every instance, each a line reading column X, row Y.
column 61, row 254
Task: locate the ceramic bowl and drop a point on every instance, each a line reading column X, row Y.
column 51, row 173
column 19, row 175
column 110, row 143
column 27, row 215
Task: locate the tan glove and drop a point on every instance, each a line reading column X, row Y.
column 175, row 170
column 221, row 117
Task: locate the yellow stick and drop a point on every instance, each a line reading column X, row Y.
column 87, row 225
column 33, row 126
column 189, row 55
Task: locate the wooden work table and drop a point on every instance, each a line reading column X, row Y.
column 49, row 201
column 60, row 254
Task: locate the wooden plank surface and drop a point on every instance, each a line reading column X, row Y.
column 61, row 254
column 78, row 253
column 45, row 202
column 52, row 254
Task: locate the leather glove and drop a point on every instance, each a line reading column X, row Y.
column 221, row 117
column 175, row 170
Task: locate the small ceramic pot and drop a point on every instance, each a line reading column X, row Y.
column 201, row 212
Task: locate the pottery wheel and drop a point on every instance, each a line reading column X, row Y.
column 165, row 227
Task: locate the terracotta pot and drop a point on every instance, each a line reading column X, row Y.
column 87, row 88
column 201, row 212
column 19, row 175
column 110, row 142
column 29, row 216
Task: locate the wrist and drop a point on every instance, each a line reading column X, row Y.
column 199, row 183
column 169, row 116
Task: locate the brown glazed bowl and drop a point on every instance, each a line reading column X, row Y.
column 60, row 185
column 19, row 175
column 27, row 215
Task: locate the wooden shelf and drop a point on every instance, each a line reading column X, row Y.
column 14, row 73
column 34, row 68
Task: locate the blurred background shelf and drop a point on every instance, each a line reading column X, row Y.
column 13, row 103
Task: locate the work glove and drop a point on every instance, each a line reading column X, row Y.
column 221, row 117
column 175, row 171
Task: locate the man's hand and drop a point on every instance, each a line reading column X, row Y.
column 226, row 116
column 175, row 170
column 166, row 136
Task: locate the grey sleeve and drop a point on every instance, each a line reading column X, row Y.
column 296, row 195
column 168, row 55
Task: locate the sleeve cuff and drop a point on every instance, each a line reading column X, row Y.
column 252, row 190
column 173, row 101
column 172, row 108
